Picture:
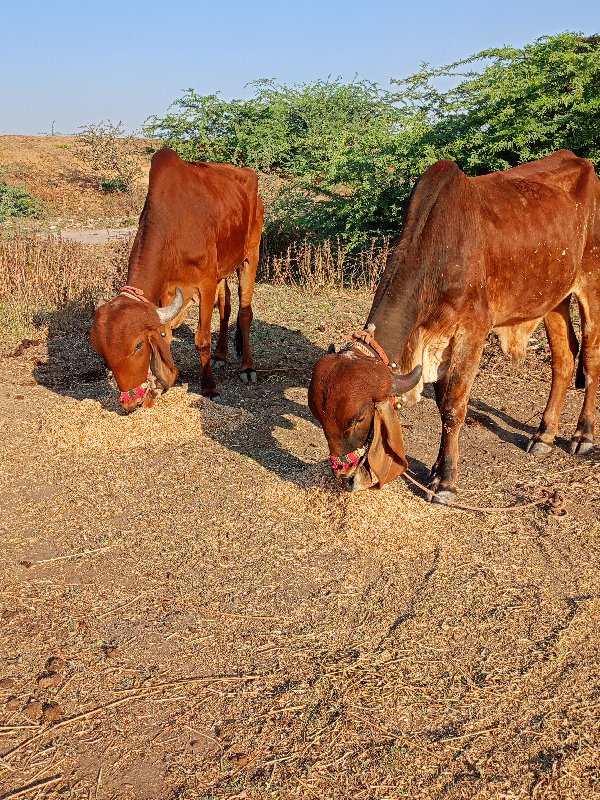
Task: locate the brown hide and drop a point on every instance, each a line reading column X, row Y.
column 200, row 223
column 495, row 252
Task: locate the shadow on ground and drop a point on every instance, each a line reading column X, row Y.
column 275, row 404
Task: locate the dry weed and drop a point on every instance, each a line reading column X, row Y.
column 324, row 265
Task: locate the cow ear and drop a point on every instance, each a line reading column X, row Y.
column 161, row 360
column 387, row 456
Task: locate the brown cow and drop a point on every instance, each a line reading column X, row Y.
column 497, row 252
column 200, row 223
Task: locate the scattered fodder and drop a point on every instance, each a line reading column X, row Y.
column 323, row 265
column 176, row 417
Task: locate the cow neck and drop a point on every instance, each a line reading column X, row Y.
column 396, row 309
column 147, row 257
column 151, row 291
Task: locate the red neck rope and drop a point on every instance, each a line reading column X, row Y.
column 134, row 293
column 365, row 343
column 140, row 392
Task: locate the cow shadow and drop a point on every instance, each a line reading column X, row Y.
column 268, row 422
column 512, row 430
column 71, row 368
column 253, row 420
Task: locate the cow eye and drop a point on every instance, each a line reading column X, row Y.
column 138, row 347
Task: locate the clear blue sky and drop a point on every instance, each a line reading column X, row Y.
column 79, row 62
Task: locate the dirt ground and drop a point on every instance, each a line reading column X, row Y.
column 190, row 608
column 52, row 171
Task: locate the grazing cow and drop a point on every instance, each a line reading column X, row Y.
column 497, row 252
column 200, row 223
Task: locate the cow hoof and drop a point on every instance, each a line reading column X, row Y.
column 248, row 376
column 214, row 396
column 536, row 447
column 217, row 362
column 444, row 498
column 580, row 447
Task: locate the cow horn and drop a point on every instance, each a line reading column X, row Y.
column 404, row 383
column 169, row 313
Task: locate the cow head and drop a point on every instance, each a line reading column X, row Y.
column 353, row 396
column 129, row 334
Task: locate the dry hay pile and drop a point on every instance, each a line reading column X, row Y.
column 177, row 417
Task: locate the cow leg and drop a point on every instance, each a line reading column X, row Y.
column 246, row 276
column 202, row 338
column 452, row 395
column 563, row 348
column 583, row 439
column 439, row 387
column 223, row 300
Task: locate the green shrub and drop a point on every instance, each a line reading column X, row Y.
column 15, row 201
column 349, row 154
column 112, row 184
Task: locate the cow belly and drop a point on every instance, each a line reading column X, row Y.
column 434, row 357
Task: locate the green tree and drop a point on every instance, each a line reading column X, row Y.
column 350, row 153
column 525, row 103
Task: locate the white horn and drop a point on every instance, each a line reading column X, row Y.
column 169, row 313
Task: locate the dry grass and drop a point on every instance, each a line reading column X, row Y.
column 325, row 265
column 231, row 626
column 42, row 274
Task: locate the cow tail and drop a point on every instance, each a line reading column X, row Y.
column 580, row 374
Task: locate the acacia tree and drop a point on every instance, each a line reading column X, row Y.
column 111, row 156
column 350, row 153
column 525, row 103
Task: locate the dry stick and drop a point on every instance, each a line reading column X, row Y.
column 74, row 555
column 555, row 502
column 134, row 695
column 124, row 605
column 280, row 369
column 98, row 779
column 31, row 786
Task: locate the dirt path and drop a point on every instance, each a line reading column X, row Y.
column 230, row 626
column 96, row 236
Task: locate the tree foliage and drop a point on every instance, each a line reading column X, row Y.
column 15, row 201
column 111, row 156
column 350, row 152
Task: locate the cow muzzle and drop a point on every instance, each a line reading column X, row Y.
column 142, row 395
column 346, row 467
column 361, row 478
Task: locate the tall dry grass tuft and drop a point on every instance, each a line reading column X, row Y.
column 42, row 274
column 325, row 265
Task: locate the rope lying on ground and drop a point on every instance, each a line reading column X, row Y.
column 553, row 501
